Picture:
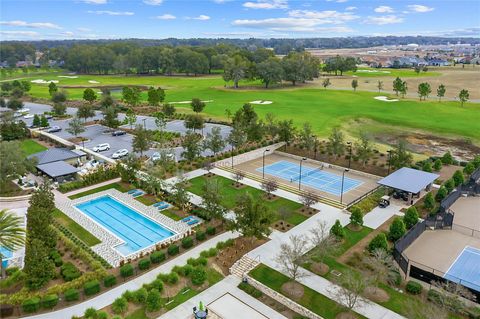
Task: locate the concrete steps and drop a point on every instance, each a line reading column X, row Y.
column 243, row 266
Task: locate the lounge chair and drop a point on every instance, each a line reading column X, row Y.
column 186, row 219
column 132, row 191
column 192, row 222
column 138, row 193
column 158, row 204
column 164, row 206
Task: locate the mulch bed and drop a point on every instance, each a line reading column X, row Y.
column 293, row 289
column 282, row 226
column 228, row 256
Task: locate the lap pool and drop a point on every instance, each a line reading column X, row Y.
column 136, row 230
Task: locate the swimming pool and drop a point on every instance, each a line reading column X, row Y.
column 311, row 176
column 6, row 255
column 136, row 230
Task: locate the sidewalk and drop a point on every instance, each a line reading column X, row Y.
column 84, row 189
column 378, row 216
column 108, row 297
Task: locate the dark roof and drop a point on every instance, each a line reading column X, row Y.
column 408, row 179
column 56, row 169
column 53, row 155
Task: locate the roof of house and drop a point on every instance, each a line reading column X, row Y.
column 408, row 179
column 56, row 169
column 53, row 155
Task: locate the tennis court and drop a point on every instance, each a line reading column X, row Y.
column 315, row 177
column 466, row 268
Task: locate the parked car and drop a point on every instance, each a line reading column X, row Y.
column 101, row 147
column 24, row 110
column 28, row 116
column 156, row 156
column 120, row 153
column 54, row 129
column 118, row 133
column 48, row 116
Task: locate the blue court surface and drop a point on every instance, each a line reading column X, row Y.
column 314, row 177
column 466, row 269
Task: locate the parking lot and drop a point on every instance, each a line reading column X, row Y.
column 98, row 134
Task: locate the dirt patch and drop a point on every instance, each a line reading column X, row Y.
column 354, row 228
column 346, row 315
column 282, row 226
column 293, row 289
column 376, row 294
column 320, row 269
column 307, row 211
column 447, row 171
column 228, row 256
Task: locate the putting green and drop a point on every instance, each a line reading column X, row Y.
column 322, row 108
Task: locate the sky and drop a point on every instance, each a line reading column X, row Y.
column 158, row 19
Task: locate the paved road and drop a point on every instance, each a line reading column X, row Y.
column 98, row 134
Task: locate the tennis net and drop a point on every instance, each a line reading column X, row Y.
column 308, row 173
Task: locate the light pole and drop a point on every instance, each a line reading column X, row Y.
column 144, row 123
column 315, row 147
column 343, row 179
column 232, row 156
column 263, row 160
column 389, row 160
column 350, row 155
column 300, row 176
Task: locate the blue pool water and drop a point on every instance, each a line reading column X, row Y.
column 135, row 229
column 6, row 254
column 311, row 176
column 466, row 269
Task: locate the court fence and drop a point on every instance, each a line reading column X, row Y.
column 466, row 230
column 358, row 199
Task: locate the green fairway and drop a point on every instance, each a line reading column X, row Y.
column 231, row 193
column 30, row 147
column 324, row 109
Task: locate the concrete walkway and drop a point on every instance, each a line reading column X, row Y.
column 227, row 285
column 84, row 189
column 378, row 216
column 108, row 297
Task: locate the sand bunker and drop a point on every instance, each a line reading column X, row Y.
column 385, row 99
column 93, row 81
column 261, row 102
column 188, row 102
column 68, row 76
column 42, row 81
column 372, row 71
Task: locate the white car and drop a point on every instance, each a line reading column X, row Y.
column 28, row 116
column 24, row 110
column 120, row 153
column 101, row 147
column 157, row 156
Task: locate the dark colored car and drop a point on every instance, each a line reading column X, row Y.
column 118, row 133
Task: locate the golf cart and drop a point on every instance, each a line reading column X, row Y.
column 384, row 201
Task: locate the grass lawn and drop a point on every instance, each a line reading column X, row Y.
column 324, row 109
column 118, row 186
column 231, row 193
column 170, row 214
column 30, row 147
column 75, row 228
column 311, row 299
column 138, row 314
column 146, row 200
column 353, row 237
column 404, row 73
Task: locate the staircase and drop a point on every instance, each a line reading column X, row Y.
column 244, row 265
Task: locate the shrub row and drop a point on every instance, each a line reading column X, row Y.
column 249, row 289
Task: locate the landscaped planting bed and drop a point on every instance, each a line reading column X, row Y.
column 121, row 187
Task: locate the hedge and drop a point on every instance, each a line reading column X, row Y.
column 413, row 287
column 249, row 289
column 187, row 242
column 126, row 270
column 92, row 287
column 109, row 281
column 71, row 294
column 157, row 257
column 200, row 235
column 173, row 250
column 50, row 301
column 69, row 271
column 198, row 276
column 211, row 230
column 144, row 264
column 31, row 305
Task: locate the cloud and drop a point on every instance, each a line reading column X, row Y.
column 419, row 8
column 202, row 17
column 113, row 13
column 36, row 25
column 166, row 16
column 381, row 20
column 323, row 17
column 384, row 9
column 95, row 1
column 18, row 34
column 153, row 2
column 267, row 4
column 290, row 24
column 84, row 29
column 351, row 8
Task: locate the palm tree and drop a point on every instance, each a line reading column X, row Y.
column 11, row 233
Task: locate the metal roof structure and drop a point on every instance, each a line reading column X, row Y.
column 408, row 180
column 57, row 169
column 53, row 155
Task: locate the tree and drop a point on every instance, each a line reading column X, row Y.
column 39, row 268
column 212, row 200
column 155, row 96
column 128, row 171
column 192, row 146
column 238, row 175
column 410, row 218
column 110, row 117
column 270, row 71
column 237, row 136
column 306, row 138
column 397, row 85
column 154, row 301
column 448, row 296
column 44, row 121
column 59, row 109
column 13, row 162
column 131, row 117
column 469, row 168
column 194, row 122
column 336, row 142
column 269, row 186
column 14, row 104
column 286, row 131
column 131, row 95
column 364, row 149
column 424, row 89
column 168, row 109
column 463, row 96
column 400, row 157
column 356, row 216
column 437, row 165
column 404, row 89
column 292, row 255
column 458, row 178
column 351, row 289
column 441, row 194
column 383, row 267
column 380, row 85
column 447, row 158
column 214, row 141
column 326, row 83
column 378, row 242
column 59, row 97
column 337, row 230
column 85, row 111
column 197, row 105
column 441, row 90
column 12, row 234
column 75, row 127
column 107, row 99
column 324, row 243
column 36, row 121
column 179, row 192
column 89, row 95
column 429, row 201
column 141, row 140
column 396, row 230
column 234, row 69
column 252, row 218
column 308, row 198
column 52, row 88
column 354, row 84
column 427, row 167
